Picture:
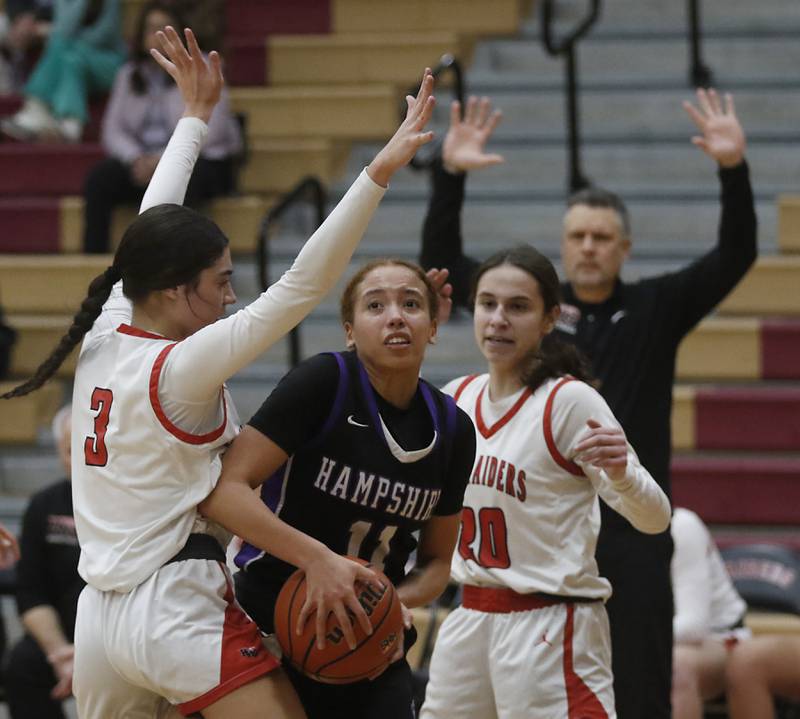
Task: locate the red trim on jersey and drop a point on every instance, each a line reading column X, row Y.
column 463, row 386
column 582, row 702
column 547, row 424
column 243, row 656
column 136, row 332
column 504, row 420
column 187, row 437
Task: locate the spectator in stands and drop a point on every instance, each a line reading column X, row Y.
column 82, row 56
column 709, row 616
column 144, row 109
column 38, row 675
column 24, row 26
column 631, row 333
column 759, row 671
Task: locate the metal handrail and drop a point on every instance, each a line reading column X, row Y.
column 567, row 47
column 308, row 189
column 448, row 64
column 700, row 74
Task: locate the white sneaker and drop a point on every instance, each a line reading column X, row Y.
column 32, row 121
column 71, row 129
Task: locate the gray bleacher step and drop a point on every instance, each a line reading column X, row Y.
column 662, row 229
column 658, row 60
column 624, row 114
column 670, row 16
column 659, row 168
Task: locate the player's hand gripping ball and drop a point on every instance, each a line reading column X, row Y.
column 337, row 663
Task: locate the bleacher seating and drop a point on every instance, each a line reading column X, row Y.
column 318, row 78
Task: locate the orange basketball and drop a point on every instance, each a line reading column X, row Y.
column 337, row 663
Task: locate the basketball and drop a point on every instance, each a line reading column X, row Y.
column 337, row 663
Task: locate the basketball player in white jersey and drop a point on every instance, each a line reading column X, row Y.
column 532, row 638
column 157, row 624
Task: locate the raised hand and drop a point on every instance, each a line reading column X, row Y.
column 199, row 80
column 464, row 144
column 63, row 663
column 410, row 136
column 445, row 291
column 723, row 138
column 605, row 448
column 9, row 549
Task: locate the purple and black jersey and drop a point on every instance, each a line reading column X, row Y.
column 362, row 475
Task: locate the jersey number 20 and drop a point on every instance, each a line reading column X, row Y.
column 492, row 542
column 94, row 446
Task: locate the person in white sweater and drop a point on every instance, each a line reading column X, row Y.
column 708, row 619
column 158, row 629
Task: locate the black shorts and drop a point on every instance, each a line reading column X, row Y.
column 390, row 696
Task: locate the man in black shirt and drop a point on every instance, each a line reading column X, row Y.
column 630, row 332
column 39, row 672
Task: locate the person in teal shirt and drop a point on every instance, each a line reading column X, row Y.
column 83, row 53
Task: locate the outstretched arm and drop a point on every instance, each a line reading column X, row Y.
column 694, row 291
column 237, row 340
column 200, row 83
column 463, row 150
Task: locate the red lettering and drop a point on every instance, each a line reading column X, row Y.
column 511, row 470
column 476, row 473
column 492, row 471
column 500, row 471
column 522, row 492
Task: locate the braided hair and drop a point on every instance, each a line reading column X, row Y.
column 165, row 246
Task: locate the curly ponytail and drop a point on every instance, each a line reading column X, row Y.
column 553, row 357
column 556, row 358
column 92, row 305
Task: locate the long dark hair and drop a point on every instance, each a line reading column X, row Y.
column 553, row 357
column 141, row 54
column 165, row 246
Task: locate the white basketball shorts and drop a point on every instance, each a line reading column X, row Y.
column 178, row 638
column 550, row 663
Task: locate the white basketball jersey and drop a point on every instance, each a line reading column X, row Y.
column 136, row 477
column 531, row 514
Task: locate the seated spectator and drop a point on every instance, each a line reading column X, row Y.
column 38, row 674
column 709, row 616
column 144, row 109
column 24, row 27
column 81, row 57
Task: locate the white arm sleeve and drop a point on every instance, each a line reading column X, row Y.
column 691, row 577
column 637, row 496
column 199, row 365
column 168, row 185
column 174, row 169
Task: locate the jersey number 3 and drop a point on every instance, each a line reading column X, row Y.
column 94, row 446
column 493, row 539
